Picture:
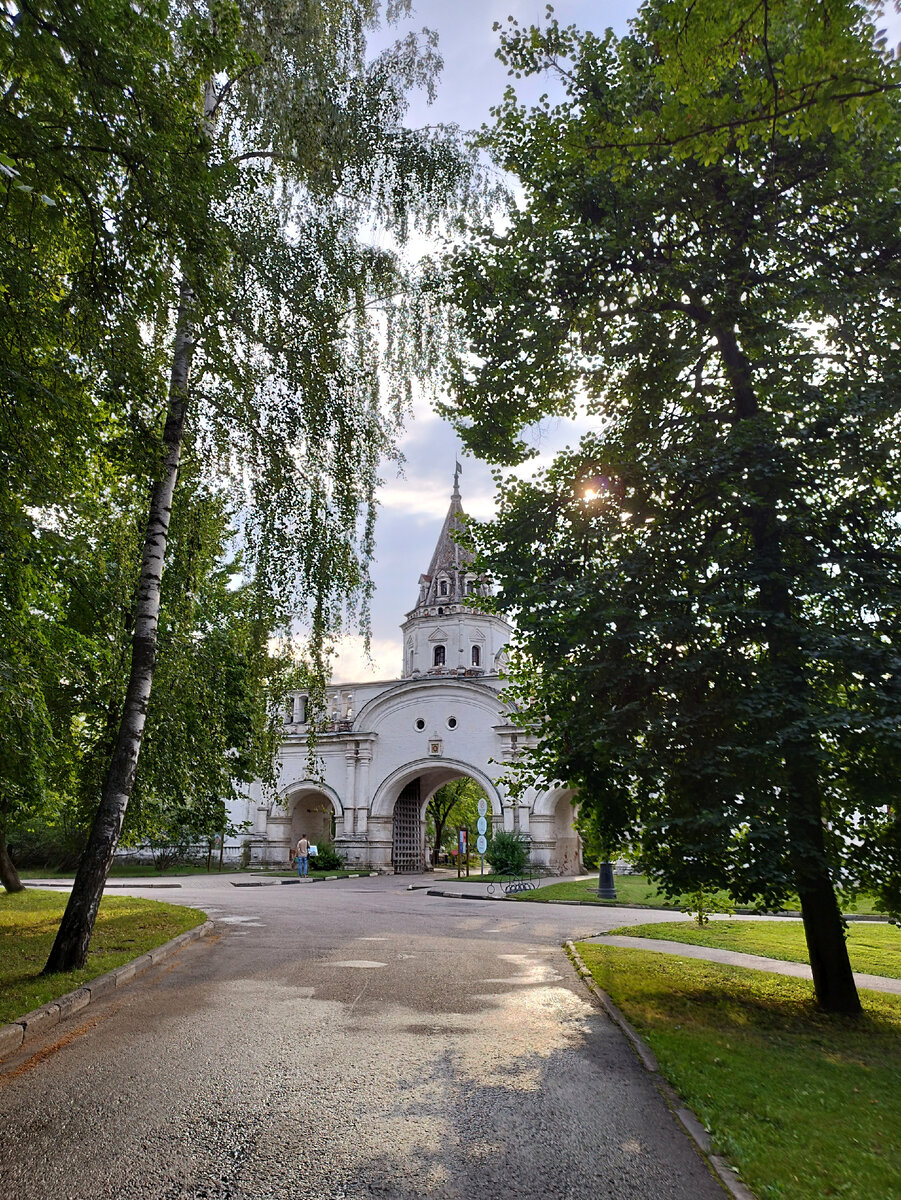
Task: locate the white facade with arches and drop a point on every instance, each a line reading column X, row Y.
column 385, row 748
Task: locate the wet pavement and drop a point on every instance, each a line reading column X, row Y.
column 342, row 1040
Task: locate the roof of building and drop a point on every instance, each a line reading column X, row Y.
column 451, row 564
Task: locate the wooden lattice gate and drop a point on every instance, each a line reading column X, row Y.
column 406, row 842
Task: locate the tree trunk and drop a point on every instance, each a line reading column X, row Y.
column 9, row 876
column 71, row 945
column 833, row 979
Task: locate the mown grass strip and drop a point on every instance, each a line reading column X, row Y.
column 873, row 948
column 806, row 1106
column 638, row 890
column 126, row 928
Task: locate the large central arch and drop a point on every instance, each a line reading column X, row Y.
column 397, row 816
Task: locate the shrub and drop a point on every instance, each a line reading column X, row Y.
column 327, row 858
column 47, row 847
column 507, row 853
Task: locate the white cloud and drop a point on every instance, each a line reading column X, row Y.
column 350, row 664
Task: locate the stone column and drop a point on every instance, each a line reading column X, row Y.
column 363, row 797
column 348, row 800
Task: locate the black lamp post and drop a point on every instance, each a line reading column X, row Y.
column 606, row 886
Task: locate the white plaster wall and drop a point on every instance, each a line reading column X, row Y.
column 458, row 629
column 373, row 748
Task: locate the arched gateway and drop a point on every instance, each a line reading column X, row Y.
column 385, row 748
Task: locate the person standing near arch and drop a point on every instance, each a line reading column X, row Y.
column 302, row 853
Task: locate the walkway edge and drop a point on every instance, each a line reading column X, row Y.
column 21, row 1031
column 687, row 1119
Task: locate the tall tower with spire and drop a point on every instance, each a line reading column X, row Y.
column 444, row 634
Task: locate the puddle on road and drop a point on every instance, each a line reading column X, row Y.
column 355, row 962
column 530, row 973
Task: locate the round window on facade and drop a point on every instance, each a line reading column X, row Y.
column 420, row 724
column 452, row 722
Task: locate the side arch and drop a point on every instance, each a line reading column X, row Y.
column 546, row 802
column 291, row 793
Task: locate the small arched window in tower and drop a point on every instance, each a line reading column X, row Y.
column 438, row 659
column 476, row 656
column 442, row 587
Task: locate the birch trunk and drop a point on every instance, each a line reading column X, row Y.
column 71, row 946
column 9, row 876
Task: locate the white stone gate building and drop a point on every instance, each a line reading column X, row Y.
column 387, row 747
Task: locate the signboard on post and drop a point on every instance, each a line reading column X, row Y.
column 462, row 850
column 483, row 806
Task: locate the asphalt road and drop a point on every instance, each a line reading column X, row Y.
column 335, row 1041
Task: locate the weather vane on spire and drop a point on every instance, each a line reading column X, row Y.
column 457, row 473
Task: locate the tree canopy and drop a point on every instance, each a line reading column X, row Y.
column 197, row 277
column 705, row 589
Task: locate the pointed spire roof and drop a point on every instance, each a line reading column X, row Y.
column 445, row 582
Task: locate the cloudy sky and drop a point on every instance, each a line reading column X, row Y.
column 413, row 506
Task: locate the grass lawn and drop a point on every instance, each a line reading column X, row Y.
column 126, row 928
column 873, row 948
column 148, row 871
column 805, row 1106
column 131, row 871
column 630, row 889
column 638, row 890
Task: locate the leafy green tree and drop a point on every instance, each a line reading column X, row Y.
column 706, row 590
column 733, row 73
column 219, row 204
column 453, row 805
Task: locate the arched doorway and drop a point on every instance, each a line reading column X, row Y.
column 397, row 820
column 313, row 814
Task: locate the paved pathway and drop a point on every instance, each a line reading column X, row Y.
column 347, row 1040
column 876, row 983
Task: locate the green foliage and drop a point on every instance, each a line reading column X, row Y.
column 224, row 193
column 704, row 902
column 730, row 74
column 327, row 858
column 507, row 853
column 453, row 806
column 706, row 590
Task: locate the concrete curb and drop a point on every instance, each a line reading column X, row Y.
column 460, row 895
column 310, row 879
column 67, row 883
column 686, row 1118
column 22, row 1030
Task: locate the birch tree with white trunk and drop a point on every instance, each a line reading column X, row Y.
column 292, row 341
